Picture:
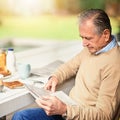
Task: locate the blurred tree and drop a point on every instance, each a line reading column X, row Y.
column 86, row 4
column 60, row 5
column 75, row 6
column 68, row 6
column 5, row 8
column 113, row 7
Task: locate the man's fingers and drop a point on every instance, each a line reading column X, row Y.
column 53, row 88
column 47, row 87
column 51, row 84
column 43, row 101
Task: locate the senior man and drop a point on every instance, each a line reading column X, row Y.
column 97, row 76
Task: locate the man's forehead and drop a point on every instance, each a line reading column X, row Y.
column 87, row 23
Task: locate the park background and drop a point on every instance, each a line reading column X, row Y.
column 55, row 20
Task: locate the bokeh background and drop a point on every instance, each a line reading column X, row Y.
column 50, row 19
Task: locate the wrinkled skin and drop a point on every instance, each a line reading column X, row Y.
column 91, row 39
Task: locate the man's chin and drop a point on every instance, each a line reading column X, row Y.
column 92, row 51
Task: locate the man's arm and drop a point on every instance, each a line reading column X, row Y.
column 107, row 102
column 68, row 69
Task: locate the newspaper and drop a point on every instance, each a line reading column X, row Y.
column 39, row 92
column 41, row 74
column 45, row 72
column 48, row 69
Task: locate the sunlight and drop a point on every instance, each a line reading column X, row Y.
column 26, row 7
column 30, row 7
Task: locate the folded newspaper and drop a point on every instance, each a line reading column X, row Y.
column 41, row 75
column 39, row 92
column 47, row 69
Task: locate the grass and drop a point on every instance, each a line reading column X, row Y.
column 43, row 27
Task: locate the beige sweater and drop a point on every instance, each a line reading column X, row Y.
column 97, row 84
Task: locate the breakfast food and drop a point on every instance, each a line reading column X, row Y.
column 1, row 82
column 5, row 73
column 1, row 85
column 13, row 84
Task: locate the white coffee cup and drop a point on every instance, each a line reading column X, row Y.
column 23, row 70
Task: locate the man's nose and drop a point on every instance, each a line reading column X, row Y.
column 85, row 42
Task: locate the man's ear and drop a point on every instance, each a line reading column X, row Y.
column 106, row 34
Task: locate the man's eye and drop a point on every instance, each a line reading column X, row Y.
column 87, row 38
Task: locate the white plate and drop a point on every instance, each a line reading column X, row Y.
column 6, row 77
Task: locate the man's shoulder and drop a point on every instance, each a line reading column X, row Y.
column 115, row 56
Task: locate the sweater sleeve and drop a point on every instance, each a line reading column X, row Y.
column 85, row 113
column 68, row 69
column 107, row 102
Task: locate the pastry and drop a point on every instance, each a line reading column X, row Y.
column 5, row 73
column 13, row 84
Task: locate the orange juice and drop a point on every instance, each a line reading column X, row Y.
column 2, row 60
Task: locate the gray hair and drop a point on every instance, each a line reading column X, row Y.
column 99, row 17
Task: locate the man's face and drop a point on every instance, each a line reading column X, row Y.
column 91, row 39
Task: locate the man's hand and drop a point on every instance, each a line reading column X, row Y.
column 51, row 84
column 52, row 105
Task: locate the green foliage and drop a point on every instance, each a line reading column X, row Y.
column 43, row 27
column 69, row 6
column 113, row 1
column 74, row 6
column 87, row 4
